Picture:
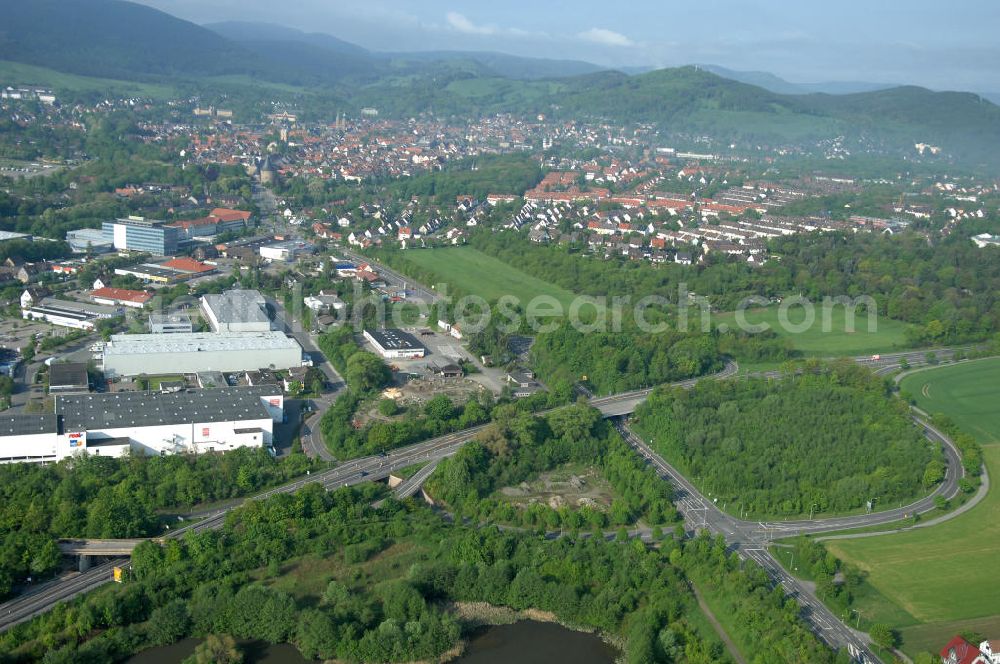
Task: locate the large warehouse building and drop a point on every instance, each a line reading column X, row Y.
column 112, row 424
column 151, row 354
column 237, row 311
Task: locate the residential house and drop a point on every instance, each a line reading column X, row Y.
column 32, row 296
column 960, row 651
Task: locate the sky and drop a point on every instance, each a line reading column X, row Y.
column 941, row 44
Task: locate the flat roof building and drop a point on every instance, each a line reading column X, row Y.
column 109, row 424
column 189, row 353
column 11, row 235
column 89, row 240
column 395, row 344
column 138, row 234
column 237, row 311
column 68, row 378
column 170, row 324
column 68, row 313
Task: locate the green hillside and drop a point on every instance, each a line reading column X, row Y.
column 114, row 39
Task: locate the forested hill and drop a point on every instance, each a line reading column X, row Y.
column 122, row 40
column 825, row 441
column 114, row 39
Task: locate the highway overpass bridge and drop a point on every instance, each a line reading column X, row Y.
column 430, row 452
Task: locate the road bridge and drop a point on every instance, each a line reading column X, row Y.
column 694, row 507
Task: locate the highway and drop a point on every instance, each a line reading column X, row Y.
column 749, row 538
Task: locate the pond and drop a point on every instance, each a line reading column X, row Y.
column 525, row 642
column 530, row 642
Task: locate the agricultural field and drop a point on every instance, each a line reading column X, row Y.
column 475, row 272
column 932, row 583
column 833, row 339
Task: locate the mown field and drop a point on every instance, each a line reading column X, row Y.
column 833, row 339
column 932, row 583
column 475, row 272
column 967, row 392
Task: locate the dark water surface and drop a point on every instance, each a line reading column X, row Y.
column 525, row 642
column 529, row 642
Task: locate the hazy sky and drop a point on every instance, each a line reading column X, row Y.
column 943, row 44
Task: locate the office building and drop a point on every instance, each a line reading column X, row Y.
column 138, row 234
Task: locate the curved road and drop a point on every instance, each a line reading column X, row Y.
column 747, row 538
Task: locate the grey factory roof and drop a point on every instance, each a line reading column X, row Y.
column 138, row 409
column 392, row 339
column 68, row 374
column 78, row 308
column 237, row 306
column 10, row 235
column 23, row 425
column 189, row 342
column 162, row 319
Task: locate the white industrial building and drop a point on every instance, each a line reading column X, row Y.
column 114, row 424
column 237, row 311
column 284, row 252
column 395, row 344
column 68, row 313
column 189, row 353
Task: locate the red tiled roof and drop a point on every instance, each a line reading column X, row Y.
column 187, row 265
column 965, row 652
column 226, row 214
column 188, row 223
column 121, row 295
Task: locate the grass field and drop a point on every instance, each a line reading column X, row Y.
column 968, row 392
column 475, row 272
column 156, row 381
column 831, row 338
column 931, row 583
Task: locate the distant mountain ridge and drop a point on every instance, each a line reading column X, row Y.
column 246, row 33
column 774, row 83
column 115, row 39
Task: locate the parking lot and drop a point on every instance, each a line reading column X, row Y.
column 443, row 349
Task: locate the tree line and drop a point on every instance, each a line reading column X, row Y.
column 241, row 581
column 948, row 290
column 103, row 497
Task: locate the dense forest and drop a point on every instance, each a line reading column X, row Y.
column 827, row 440
column 103, row 497
column 948, row 290
column 516, row 448
column 247, row 580
column 612, row 362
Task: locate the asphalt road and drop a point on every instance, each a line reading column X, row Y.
column 748, row 538
column 414, row 290
column 312, row 439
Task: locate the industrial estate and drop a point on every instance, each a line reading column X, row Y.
column 311, row 352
